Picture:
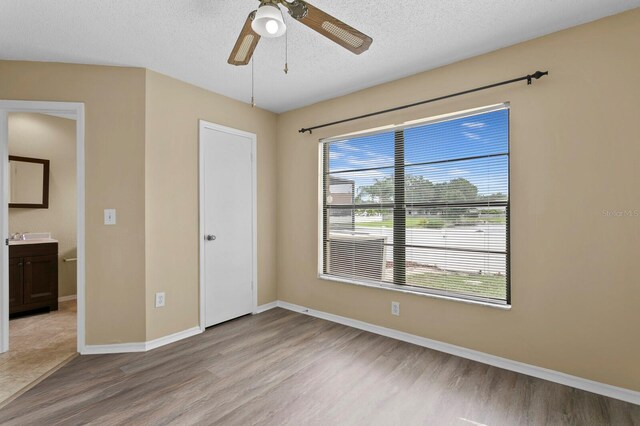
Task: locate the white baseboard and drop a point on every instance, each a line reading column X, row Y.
column 67, row 298
column 262, row 308
column 496, row 361
column 118, row 348
column 172, row 338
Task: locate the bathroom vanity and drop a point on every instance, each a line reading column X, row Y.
column 33, row 275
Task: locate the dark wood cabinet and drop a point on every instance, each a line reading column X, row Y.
column 33, row 277
column 15, row 282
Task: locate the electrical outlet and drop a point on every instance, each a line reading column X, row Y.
column 159, row 300
column 109, row 216
column 395, row 308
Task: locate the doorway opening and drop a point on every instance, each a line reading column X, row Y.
column 42, row 256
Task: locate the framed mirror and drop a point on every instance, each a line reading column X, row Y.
column 28, row 183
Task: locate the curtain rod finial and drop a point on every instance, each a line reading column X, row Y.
column 536, row 75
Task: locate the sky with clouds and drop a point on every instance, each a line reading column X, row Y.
column 441, row 144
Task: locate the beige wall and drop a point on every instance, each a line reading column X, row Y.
column 173, row 111
column 574, row 153
column 53, row 139
column 114, row 140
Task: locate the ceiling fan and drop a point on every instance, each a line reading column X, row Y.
column 267, row 21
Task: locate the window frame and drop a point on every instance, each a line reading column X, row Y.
column 400, row 208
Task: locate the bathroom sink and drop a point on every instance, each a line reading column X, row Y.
column 34, row 238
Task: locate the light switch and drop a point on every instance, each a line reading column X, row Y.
column 109, row 216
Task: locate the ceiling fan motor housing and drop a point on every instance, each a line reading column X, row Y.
column 297, row 9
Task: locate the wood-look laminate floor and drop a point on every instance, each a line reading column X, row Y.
column 38, row 344
column 281, row 367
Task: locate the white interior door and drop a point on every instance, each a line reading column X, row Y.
column 227, row 180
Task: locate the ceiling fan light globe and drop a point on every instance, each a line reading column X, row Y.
column 271, row 26
column 268, row 22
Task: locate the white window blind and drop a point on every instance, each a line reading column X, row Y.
column 423, row 207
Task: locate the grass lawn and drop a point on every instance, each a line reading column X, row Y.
column 492, row 286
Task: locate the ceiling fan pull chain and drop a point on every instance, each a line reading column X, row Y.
column 253, row 102
column 286, row 52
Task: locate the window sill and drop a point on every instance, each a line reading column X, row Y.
column 415, row 291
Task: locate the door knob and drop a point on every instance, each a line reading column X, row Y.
column 210, row 237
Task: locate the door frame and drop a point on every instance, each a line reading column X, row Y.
column 203, row 125
column 72, row 110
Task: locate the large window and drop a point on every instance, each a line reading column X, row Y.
column 421, row 207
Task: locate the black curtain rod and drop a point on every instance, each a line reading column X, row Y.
column 536, row 75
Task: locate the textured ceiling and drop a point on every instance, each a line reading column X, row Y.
column 191, row 39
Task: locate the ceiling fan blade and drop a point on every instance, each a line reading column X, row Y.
column 246, row 43
column 330, row 27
